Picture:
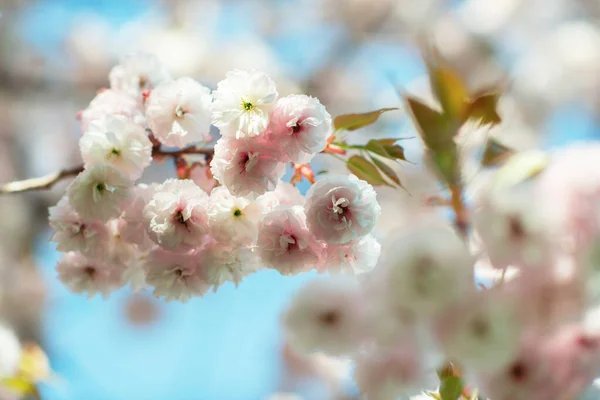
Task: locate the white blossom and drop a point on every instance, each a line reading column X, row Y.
column 100, row 192
column 175, row 276
column 72, row 233
column 138, row 72
column 326, row 315
column 355, row 257
column 83, row 275
column 117, row 141
column 242, row 103
column 285, row 243
column 301, row 125
column 341, row 208
column 233, row 220
column 176, row 216
column 246, row 166
column 178, row 112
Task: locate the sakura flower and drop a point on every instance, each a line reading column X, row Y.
column 133, row 229
column 225, row 264
column 569, row 192
column 341, row 208
column 178, row 112
column 10, row 352
column 285, row 243
column 326, row 315
column 242, row 103
column 138, row 72
column 523, row 378
column 233, row 220
column 175, row 276
column 119, row 142
column 72, row 233
column 513, row 230
column 425, row 268
column 175, row 217
column 83, row 275
column 355, row 257
column 483, row 331
column 284, row 194
column 246, row 166
column 110, row 102
column 390, row 373
column 100, row 192
column 301, row 125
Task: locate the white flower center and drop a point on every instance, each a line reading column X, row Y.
column 179, row 112
column 251, row 161
column 340, row 205
column 286, row 240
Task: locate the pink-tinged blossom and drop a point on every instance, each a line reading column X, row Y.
column 203, row 177
column 355, row 257
column 513, row 229
column 550, row 299
column 243, row 102
column 341, row 208
column 300, row 125
column 137, row 73
column 326, row 315
column 483, row 330
column 175, row 217
column 175, row 276
column 246, row 166
column 72, row 233
column 233, row 220
column 117, row 141
column 100, row 192
column 178, row 112
column 110, row 102
column 391, row 372
column 425, row 267
column 285, row 243
column 284, row 194
column 92, row 276
column 228, row 264
column 569, row 191
column 133, row 229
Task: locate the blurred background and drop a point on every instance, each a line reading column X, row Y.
column 354, row 55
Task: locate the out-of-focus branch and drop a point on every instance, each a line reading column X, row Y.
column 48, row 181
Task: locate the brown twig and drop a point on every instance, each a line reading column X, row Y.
column 461, row 220
column 48, row 181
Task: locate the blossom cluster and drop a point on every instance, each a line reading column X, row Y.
column 534, row 333
column 179, row 239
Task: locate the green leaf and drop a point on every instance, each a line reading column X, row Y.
column 365, row 170
column 483, row 108
column 494, row 153
column 395, row 151
column 387, row 170
column 387, row 142
column 386, row 148
column 435, row 128
column 445, row 162
column 352, row 122
column 448, row 87
column 451, row 388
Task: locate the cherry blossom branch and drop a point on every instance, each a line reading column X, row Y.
column 46, row 182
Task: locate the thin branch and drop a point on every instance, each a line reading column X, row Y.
column 41, row 183
column 48, row 181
